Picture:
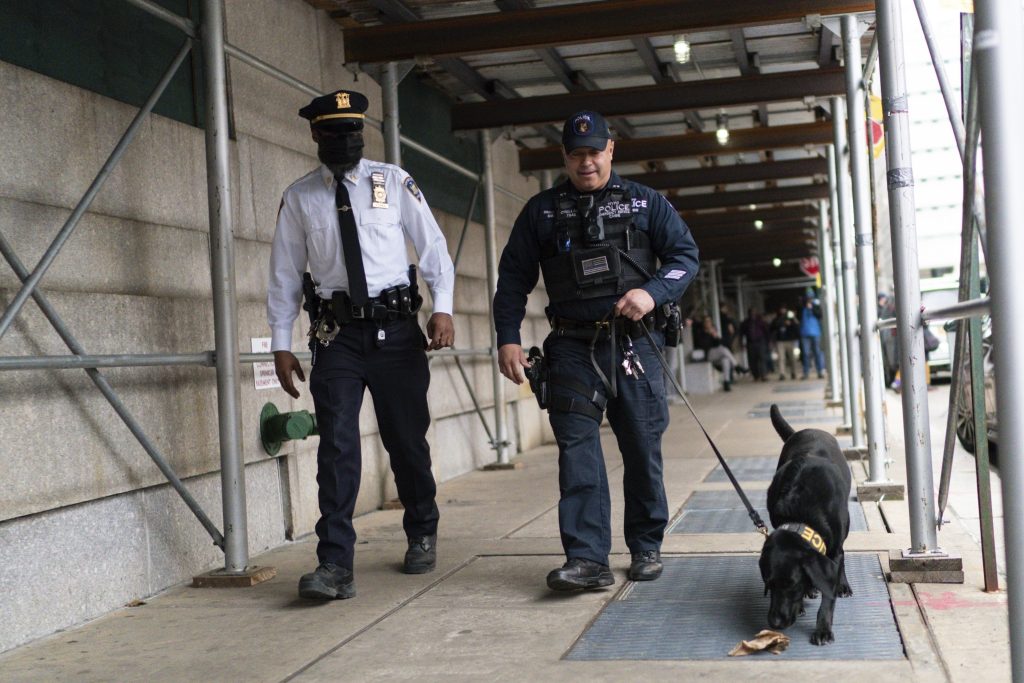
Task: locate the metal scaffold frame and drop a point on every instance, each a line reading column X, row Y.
column 991, row 121
column 999, row 58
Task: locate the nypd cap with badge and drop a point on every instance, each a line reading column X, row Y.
column 342, row 109
column 585, row 129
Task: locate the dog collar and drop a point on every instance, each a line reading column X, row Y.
column 809, row 535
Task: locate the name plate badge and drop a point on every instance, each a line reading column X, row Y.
column 380, row 194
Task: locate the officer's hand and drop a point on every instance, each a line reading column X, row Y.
column 634, row 304
column 511, row 361
column 285, row 363
column 441, row 330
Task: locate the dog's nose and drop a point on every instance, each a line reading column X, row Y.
column 776, row 621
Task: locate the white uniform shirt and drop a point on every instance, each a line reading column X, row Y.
column 308, row 232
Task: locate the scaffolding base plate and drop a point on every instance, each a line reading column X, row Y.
column 947, row 568
column 866, row 492
column 856, row 453
column 498, row 466
column 927, row 577
column 219, row 578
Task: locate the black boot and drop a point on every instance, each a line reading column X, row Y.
column 578, row 574
column 727, row 385
column 421, row 557
column 328, row 582
column 646, row 566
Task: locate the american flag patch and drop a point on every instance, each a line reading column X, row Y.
column 675, row 274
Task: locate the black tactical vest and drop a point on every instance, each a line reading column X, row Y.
column 595, row 250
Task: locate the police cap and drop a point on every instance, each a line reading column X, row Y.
column 585, row 129
column 339, row 109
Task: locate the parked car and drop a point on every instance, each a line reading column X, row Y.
column 939, row 293
column 964, row 405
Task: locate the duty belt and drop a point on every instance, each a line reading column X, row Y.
column 584, row 329
column 393, row 304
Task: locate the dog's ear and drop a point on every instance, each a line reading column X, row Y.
column 823, row 573
column 764, row 563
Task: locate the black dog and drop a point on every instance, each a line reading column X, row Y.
column 808, row 506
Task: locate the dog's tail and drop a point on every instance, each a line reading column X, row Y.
column 780, row 424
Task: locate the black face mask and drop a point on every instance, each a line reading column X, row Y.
column 341, row 152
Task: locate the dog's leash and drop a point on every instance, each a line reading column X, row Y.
column 751, row 512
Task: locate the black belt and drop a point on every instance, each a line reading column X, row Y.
column 383, row 307
column 584, row 329
column 375, row 309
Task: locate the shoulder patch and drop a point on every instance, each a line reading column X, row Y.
column 413, row 188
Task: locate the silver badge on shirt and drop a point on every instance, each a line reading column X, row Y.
column 380, row 194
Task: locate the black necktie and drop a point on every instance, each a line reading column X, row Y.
column 350, row 245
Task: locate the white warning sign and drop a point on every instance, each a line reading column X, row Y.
column 263, row 373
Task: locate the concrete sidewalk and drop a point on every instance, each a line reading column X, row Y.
column 486, row 614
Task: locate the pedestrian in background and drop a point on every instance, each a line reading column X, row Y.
column 810, row 338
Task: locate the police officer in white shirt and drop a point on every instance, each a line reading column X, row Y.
column 349, row 220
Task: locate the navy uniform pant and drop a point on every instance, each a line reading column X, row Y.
column 638, row 417
column 398, row 377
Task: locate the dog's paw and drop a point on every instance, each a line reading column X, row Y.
column 822, row 637
column 845, row 591
column 811, row 593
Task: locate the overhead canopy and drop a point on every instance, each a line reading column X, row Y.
column 761, row 70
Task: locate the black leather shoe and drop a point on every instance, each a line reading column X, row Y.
column 646, row 566
column 580, row 574
column 328, row 582
column 421, row 557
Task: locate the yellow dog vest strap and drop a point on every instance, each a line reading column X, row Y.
column 809, row 535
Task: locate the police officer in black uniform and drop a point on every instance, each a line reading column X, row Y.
column 349, row 220
column 614, row 254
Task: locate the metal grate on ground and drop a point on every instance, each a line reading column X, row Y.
column 722, row 512
column 701, row 607
column 746, row 468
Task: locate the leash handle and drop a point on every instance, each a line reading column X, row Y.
column 751, row 512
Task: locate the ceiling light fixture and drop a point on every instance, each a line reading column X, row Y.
column 681, row 47
column 759, row 224
column 776, row 262
column 722, row 132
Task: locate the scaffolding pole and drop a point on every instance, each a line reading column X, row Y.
column 835, row 267
column 222, row 272
column 716, row 308
column 828, row 303
column 871, row 362
column 999, row 53
column 848, row 267
column 490, row 229
column 740, row 299
column 389, row 97
column 909, row 326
